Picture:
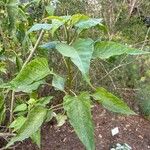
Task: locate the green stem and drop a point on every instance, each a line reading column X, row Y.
column 70, row 77
column 68, row 63
column 12, row 106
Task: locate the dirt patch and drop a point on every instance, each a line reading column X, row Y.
column 134, row 131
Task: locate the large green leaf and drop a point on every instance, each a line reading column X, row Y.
column 107, row 49
column 111, row 102
column 86, row 24
column 80, row 53
column 37, row 27
column 30, row 75
column 79, row 112
column 32, row 124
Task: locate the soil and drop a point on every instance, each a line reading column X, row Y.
column 133, row 130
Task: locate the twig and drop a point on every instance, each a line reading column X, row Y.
column 121, row 65
column 34, row 48
column 12, row 106
column 6, row 134
column 145, row 40
column 109, row 76
column 27, row 60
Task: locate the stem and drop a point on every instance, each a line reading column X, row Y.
column 70, row 77
column 12, row 106
column 34, row 48
column 68, row 62
column 27, row 60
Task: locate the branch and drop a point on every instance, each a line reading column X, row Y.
column 34, row 48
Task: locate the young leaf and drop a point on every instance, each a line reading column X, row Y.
column 34, row 71
column 21, row 107
column 58, row 82
column 80, row 53
column 111, row 102
column 44, row 100
column 32, row 124
column 57, row 22
column 79, row 112
column 77, row 18
column 38, row 27
column 61, row 119
column 17, row 123
column 107, row 49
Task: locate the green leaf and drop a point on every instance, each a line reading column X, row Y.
column 21, row 107
column 44, row 100
column 49, row 45
column 80, row 53
column 86, row 24
column 61, row 119
column 12, row 12
column 32, row 124
column 49, row 115
column 36, row 138
column 31, row 87
column 56, row 23
column 107, row 49
column 50, row 10
column 17, row 123
column 3, row 67
column 19, row 62
column 30, row 75
column 58, row 82
column 79, row 112
column 38, row 27
column 77, row 18
column 111, row 102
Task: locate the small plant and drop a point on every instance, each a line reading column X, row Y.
column 65, row 32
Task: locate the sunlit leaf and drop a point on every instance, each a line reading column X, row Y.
column 86, row 24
